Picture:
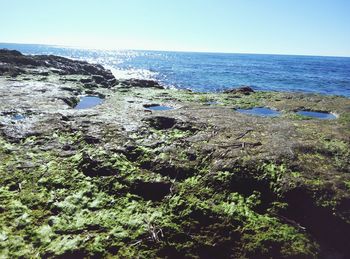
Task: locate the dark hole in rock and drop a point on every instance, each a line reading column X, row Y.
column 79, row 253
column 161, row 122
column 247, row 186
column 244, row 182
column 87, row 102
column 318, row 115
column 91, row 139
column 170, row 251
column 330, row 231
column 173, row 170
column 307, row 149
column 260, row 111
column 132, row 152
column 157, row 107
column 154, row 191
column 65, row 118
column 14, row 187
column 186, row 126
column 91, row 167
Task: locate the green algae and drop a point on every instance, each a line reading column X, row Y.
column 207, row 183
column 72, row 214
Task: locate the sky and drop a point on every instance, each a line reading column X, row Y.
column 304, row 27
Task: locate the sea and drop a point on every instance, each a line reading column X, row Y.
column 214, row 72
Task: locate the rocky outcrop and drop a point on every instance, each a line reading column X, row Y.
column 141, row 83
column 246, row 90
column 14, row 63
column 197, row 181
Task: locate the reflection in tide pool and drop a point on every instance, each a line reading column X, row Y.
column 159, row 108
column 87, row 102
column 18, row 117
column 263, row 112
column 317, row 115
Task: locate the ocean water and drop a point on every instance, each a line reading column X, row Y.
column 211, row 72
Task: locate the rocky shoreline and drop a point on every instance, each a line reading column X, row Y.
column 199, row 180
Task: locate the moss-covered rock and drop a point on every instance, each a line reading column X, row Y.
column 199, row 181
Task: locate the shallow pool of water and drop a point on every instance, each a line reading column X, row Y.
column 87, row 102
column 18, row 117
column 318, row 115
column 159, row 108
column 263, row 112
column 212, row 103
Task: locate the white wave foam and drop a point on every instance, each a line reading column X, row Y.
column 134, row 73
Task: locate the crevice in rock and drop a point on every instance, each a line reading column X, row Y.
column 161, row 122
column 329, row 230
column 154, row 191
column 175, row 171
column 93, row 168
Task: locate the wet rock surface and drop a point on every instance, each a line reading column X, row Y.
column 14, row 60
column 197, row 181
column 141, row 83
column 246, row 90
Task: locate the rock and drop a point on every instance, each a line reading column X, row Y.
column 69, row 89
column 141, row 83
column 194, row 182
column 98, row 79
column 246, row 90
column 16, row 58
column 94, row 167
column 71, row 101
column 303, row 209
column 56, row 71
column 161, row 122
column 69, row 79
column 154, row 191
column 112, row 81
column 10, row 52
column 61, row 65
column 44, row 73
column 91, row 139
column 172, row 169
column 11, row 71
column 90, row 86
column 105, row 81
column 148, row 105
column 85, row 80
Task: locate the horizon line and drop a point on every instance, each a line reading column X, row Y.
column 167, row 50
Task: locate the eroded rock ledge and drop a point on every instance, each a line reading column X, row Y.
column 199, row 181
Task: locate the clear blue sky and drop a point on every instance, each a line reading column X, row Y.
column 313, row 27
